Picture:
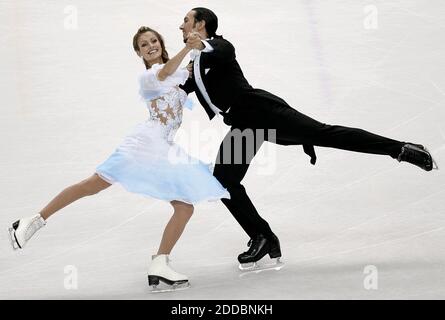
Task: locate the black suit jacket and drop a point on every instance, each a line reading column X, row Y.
column 221, row 75
column 225, row 84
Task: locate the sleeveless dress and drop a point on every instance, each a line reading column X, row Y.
column 148, row 162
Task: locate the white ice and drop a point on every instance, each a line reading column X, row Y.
column 68, row 84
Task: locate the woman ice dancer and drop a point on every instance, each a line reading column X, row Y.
column 147, row 162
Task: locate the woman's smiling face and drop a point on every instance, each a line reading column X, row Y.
column 150, row 48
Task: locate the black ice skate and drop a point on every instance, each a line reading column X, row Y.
column 160, row 272
column 252, row 260
column 418, row 155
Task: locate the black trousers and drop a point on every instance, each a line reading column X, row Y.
column 258, row 110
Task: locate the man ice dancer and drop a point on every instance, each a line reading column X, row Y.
column 221, row 88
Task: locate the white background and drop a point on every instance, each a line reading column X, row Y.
column 68, row 97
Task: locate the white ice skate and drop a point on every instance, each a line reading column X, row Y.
column 160, row 271
column 262, row 265
column 22, row 230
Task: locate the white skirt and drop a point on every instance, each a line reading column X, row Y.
column 148, row 164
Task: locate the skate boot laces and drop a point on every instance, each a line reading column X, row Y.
column 35, row 224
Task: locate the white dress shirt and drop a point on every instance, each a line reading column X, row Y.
column 195, row 56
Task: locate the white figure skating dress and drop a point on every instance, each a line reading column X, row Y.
column 148, row 162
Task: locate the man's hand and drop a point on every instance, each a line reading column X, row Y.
column 190, row 69
column 194, row 41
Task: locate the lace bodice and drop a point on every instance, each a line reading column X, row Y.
column 164, row 99
column 167, row 111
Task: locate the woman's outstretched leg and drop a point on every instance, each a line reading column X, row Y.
column 160, row 269
column 22, row 230
column 87, row 187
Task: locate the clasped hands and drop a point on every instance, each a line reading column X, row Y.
column 194, row 41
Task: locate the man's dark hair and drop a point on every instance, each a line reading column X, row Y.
column 210, row 19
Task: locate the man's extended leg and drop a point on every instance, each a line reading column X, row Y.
column 293, row 127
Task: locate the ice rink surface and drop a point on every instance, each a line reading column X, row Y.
column 354, row 226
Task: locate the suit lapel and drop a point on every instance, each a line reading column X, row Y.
column 199, row 95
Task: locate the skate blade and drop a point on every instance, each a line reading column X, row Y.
column 172, row 288
column 14, row 244
column 256, row 267
column 435, row 166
